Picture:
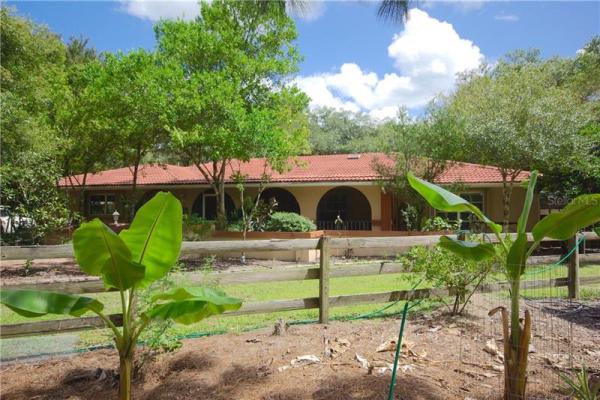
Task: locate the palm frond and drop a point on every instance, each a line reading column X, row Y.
column 393, row 10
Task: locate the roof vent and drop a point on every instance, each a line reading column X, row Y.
column 353, row 156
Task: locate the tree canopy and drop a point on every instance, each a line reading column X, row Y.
column 232, row 99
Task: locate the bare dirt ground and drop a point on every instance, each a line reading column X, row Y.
column 444, row 358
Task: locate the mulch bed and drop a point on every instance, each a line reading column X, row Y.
column 444, row 358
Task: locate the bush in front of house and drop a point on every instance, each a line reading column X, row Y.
column 436, row 224
column 289, row 222
column 196, row 228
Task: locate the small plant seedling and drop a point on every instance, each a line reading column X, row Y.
column 127, row 262
column 581, row 388
column 513, row 254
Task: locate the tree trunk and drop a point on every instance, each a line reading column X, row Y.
column 506, row 196
column 221, row 222
column 125, row 368
column 134, row 197
column 82, row 205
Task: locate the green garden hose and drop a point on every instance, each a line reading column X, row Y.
column 397, row 355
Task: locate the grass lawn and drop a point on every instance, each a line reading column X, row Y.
column 299, row 289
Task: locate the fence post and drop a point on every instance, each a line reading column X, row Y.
column 573, row 268
column 324, row 260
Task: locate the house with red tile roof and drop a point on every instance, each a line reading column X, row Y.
column 320, row 187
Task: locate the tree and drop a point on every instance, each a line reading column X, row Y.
column 514, row 117
column 34, row 85
column 581, row 75
column 337, row 132
column 130, row 94
column 231, row 99
column 82, row 123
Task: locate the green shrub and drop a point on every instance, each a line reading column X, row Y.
column 446, row 269
column 581, row 387
column 440, row 224
column 289, row 222
column 196, row 228
column 236, row 226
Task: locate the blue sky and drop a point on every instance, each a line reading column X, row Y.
column 352, row 60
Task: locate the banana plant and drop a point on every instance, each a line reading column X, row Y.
column 580, row 213
column 128, row 262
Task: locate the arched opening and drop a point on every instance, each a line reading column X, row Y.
column 285, row 200
column 349, row 204
column 205, row 205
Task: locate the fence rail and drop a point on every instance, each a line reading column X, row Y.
column 217, row 247
column 324, row 273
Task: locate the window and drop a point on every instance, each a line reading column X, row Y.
column 102, row 204
column 474, row 198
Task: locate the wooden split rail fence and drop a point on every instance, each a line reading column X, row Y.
column 324, row 272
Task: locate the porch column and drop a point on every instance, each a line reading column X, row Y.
column 386, row 211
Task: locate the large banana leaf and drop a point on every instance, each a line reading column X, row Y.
column 469, row 250
column 516, row 255
column 155, row 235
column 446, row 201
column 33, row 303
column 101, row 252
column 581, row 212
column 191, row 304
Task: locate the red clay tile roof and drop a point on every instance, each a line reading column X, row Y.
column 316, row 168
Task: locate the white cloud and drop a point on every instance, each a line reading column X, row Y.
column 310, row 10
column 427, row 55
column 506, row 17
column 154, row 10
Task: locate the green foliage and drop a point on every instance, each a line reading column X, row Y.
column 446, row 201
column 410, row 216
column 32, row 303
column 574, row 216
column 159, row 336
column 236, row 226
column 522, row 115
column 581, row 388
column 190, row 304
column 445, row 269
column 101, row 252
column 136, row 257
column 337, row 132
column 582, row 212
column 153, row 238
column 196, row 228
column 231, row 99
column 289, row 222
column 423, row 146
column 28, row 179
column 440, row 224
column 34, row 88
column 469, row 250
